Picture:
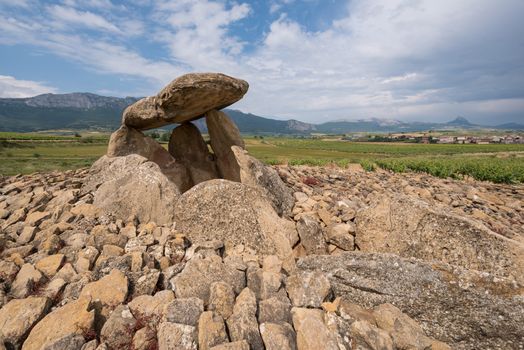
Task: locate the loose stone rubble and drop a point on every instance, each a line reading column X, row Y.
column 143, row 253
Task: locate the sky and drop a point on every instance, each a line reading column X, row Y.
column 311, row 60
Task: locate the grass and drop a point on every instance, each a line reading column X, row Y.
column 28, row 153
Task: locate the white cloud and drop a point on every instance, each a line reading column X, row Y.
column 12, row 87
column 67, row 16
column 198, row 34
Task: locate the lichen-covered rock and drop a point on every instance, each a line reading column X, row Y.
column 224, row 134
column 367, row 336
column 311, row 236
column 307, row 289
column 311, row 331
column 117, row 330
column 405, row 332
column 221, row 299
column 186, row 98
column 27, row 279
column 184, row 311
column 464, row 308
column 132, row 185
column 278, row 336
column 258, row 175
column 211, row 330
column 108, row 292
column 242, row 324
column 126, row 141
column 410, row 227
column 198, row 275
column 68, row 321
column 18, row 316
column 188, row 147
column 176, row 336
column 235, row 214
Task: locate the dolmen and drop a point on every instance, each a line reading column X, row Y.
column 217, row 192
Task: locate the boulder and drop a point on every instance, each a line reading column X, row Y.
column 311, row 331
column 132, row 185
column 27, row 281
column 188, row 147
column 311, row 237
column 221, row 299
column 223, row 134
column 242, row 324
column 176, row 336
column 278, row 336
column 117, row 331
column 367, row 336
column 186, row 98
column 18, row 316
column 211, row 330
column 487, row 311
column 50, row 265
column 184, row 311
column 235, row 214
column 308, row 288
column 254, row 173
column 108, row 292
column 405, row 332
column 274, row 310
column 66, row 322
column 410, row 227
column 200, row 273
column 126, row 141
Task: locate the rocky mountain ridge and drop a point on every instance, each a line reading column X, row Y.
column 86, row 110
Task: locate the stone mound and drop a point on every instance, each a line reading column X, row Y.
column 199, row 247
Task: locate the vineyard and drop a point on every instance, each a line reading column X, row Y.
column 499, row 170
column 27, row 153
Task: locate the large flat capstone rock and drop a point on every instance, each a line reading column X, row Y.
column 132, row 185
column 235, row 214
column 186, row 98
column 464, row 308
column 410, row 227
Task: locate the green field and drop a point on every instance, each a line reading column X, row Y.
column 28, row 153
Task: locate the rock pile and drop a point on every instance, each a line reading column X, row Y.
column 157, row 249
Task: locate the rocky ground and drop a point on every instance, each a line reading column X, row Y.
column 378, row 261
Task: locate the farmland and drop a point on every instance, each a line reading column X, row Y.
column 27, row 153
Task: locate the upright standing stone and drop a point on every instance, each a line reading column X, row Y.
column 184, row 99
column 126, row 141
column 224, row 134
column 188, row 147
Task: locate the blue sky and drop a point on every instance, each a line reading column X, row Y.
column 313, row 60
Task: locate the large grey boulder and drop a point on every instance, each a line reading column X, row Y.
column 410, row 227
column 126, row 141
column 188, row 147
column 235, row 214
column 186, row 98
column 254, row 173
column 223, row 134
column 132, row 185
column 464, row 308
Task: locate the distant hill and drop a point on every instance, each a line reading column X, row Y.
column 90, row 111
column 59, row 111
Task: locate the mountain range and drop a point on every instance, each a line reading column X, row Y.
column 90, row 111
